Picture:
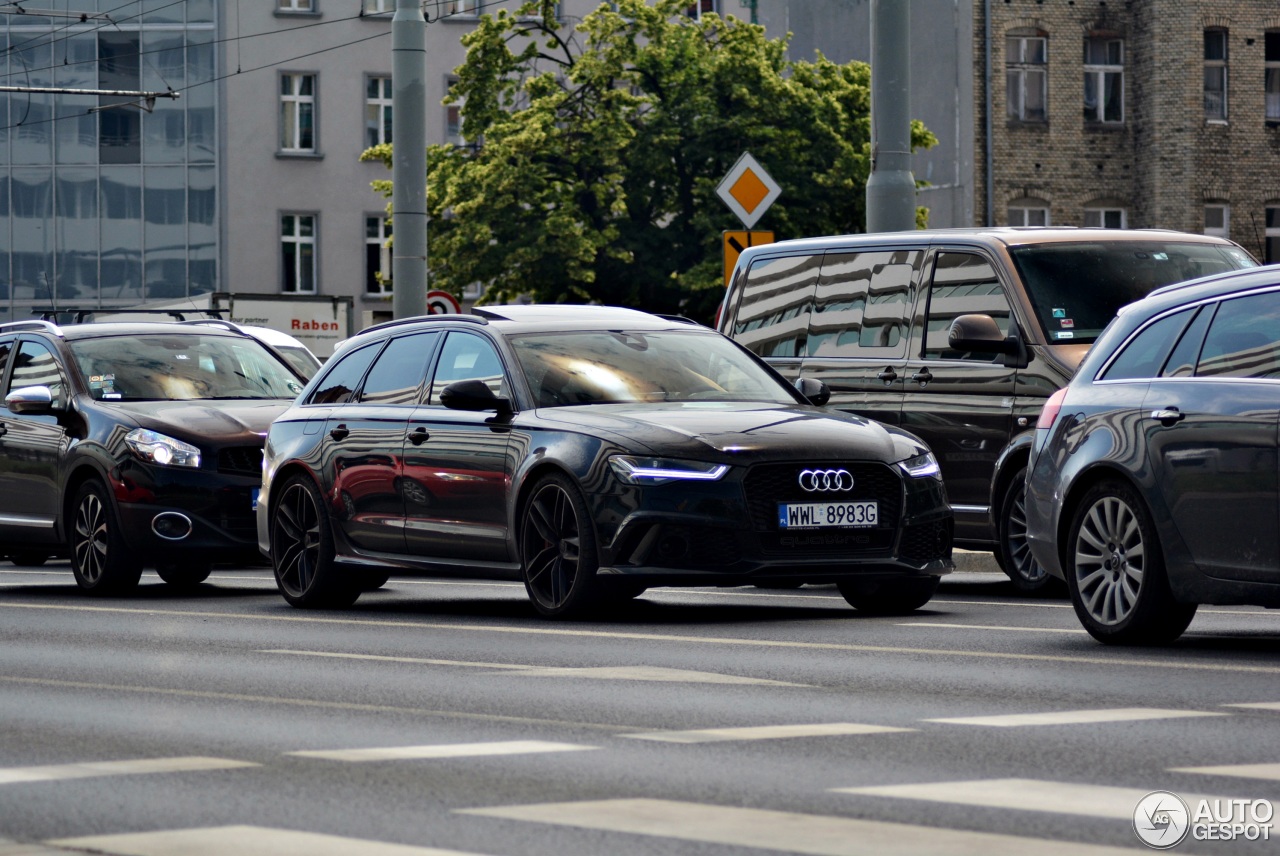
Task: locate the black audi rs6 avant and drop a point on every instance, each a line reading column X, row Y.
column 590, row 452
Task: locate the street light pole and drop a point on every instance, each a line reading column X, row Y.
column 409, row 159
column 891, row 188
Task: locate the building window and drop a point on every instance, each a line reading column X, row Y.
column 119, row 128
column 1272, row 57
column 1026, row 77
column 1217, row 220
column 462, row 7
column 1215, row 75
column 298, row 112
column 1030, row 212
column 377, row 111
column 298, row 253
column 1105, row 218
column 379, row 7
column 1273, row 235
column 1103, row 80
column 453, row 116
column 703, row 7
column 295, row 5
column 377, row 255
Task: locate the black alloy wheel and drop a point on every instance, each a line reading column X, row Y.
column 184, row 575
column 1116, row 573
column 888, row 597
column 99, row 557
column 302, row 551
column 1013, row 551
column 558, row 550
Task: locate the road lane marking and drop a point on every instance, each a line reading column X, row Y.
column 1137, row 662
column 991, row 627
column 441, row 750
column 1268, row 772
column 765, row 732
column 792, row 832
column 243, row 841
column 1076, row 717
column 94, row 769
column 1257, row 705
column 423, row 661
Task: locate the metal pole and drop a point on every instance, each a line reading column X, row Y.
column 891, row 188
column 409, row 159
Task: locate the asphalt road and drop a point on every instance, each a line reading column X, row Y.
column 441, row 717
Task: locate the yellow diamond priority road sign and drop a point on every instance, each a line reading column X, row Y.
column 748, row 190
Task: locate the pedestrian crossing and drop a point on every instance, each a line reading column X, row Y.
column 242, row 841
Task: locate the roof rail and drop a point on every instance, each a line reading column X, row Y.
column 473, row 319
column 679, row 319
column 45, row 326
column 215, row 322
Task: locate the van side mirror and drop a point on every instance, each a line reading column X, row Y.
column 817, row 392
column 980, row 333
column 474, row 395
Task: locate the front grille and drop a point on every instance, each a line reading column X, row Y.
column 767, row 485
column 240, row 460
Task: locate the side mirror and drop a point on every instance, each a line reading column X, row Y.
column 817, row 392
column 980, row 333
column 30, row 399
column 473, row 395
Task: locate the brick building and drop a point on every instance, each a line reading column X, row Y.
column 1147, row 113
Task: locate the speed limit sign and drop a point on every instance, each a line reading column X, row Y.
column 442, row 303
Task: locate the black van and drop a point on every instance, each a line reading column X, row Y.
column 957, row 336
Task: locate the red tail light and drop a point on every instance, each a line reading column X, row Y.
column 1051, row 407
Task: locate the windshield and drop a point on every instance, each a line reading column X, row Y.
column 602, row 367
column 302, row 360
column 180, row 367
column 1076, row 288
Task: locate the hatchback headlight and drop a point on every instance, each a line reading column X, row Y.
column 921, row 466
column 637, row 470
column 161, row 449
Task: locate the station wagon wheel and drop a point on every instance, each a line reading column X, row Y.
column 1013, row 551
column 100, row 558
column 302, row 550
column 1116, row 572
column 557, row 549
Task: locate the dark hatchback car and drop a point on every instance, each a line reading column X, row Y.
column 134, row 444
column 590, row 452
column 1155, row 478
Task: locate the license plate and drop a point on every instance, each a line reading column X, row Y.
column 819, row 515
column 253, row 497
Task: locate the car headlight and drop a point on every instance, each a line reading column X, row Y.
column 160, row 449
column 638, row 470
column 921, row 466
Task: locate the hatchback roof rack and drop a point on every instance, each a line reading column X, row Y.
column 473, row 319
column 215, row 322
column 79, row 314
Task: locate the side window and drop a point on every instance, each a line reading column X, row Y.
column 5, row 348
column 339, row 383
column 35, row 365
column 396, row 377
column 1182, row 362
column 861, row 304
column 467, row 357
column 1243, row 339
column 773, row 315
column 1146, row 352
column 963, row 284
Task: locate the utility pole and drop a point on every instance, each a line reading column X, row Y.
column 891, row 189
column 409, row 160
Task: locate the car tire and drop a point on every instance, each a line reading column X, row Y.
column 372, row 581
column 302, row 550
column 1116, row 573
column 558, row 555
column 28, row 559
column 1013, row 553
column 184, row 575
column 100, row 559
column 888, row 597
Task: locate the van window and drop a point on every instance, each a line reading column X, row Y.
column 861, row 304
column 773, row 315
column 963, row 284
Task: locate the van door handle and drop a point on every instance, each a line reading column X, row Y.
column 922, row 377
column 340, row 433
column 888, row 376
column 1168, row 416
column 419, row 436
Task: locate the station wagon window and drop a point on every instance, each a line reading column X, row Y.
column 1243, row 339
column 861, row 304
column 1182, row 362
column 35, row 365
column 396, row 376
column 467, row 357
column 1143, row 356
column 963, row 284
column 341, row 381
column 773, row 314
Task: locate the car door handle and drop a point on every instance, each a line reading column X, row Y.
column 922, row 377
column 340, row 433
column 1168, row 416
column 419, row 436
column 888, row 375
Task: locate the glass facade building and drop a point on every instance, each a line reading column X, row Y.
column 101, row 202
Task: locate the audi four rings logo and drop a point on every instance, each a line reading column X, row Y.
column 824, row 481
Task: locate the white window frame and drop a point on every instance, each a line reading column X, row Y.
column 378, row 7
column 1221, row 213
column 1215, row 101
column 698, row 8
column 293, row 106
column 291, row 224
column 1028, row 215
column 377, row 109
column 1018, row 71
column 1271, row 79
column 378, row 239
column 307, row 7
column 1272, row 235
column 1095, row 217
column 1097, row 74
column 462, row 8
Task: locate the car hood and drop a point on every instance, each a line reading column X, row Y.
column 219, row 422
column 737, row 430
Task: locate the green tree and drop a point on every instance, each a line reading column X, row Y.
column 595, row 151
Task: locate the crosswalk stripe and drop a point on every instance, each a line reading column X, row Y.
column 441, row 750
column 765, row 732
column 90, row 769
column 815, row 835
column 1269, row 772
column 1075, row 717
column 243, row 841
